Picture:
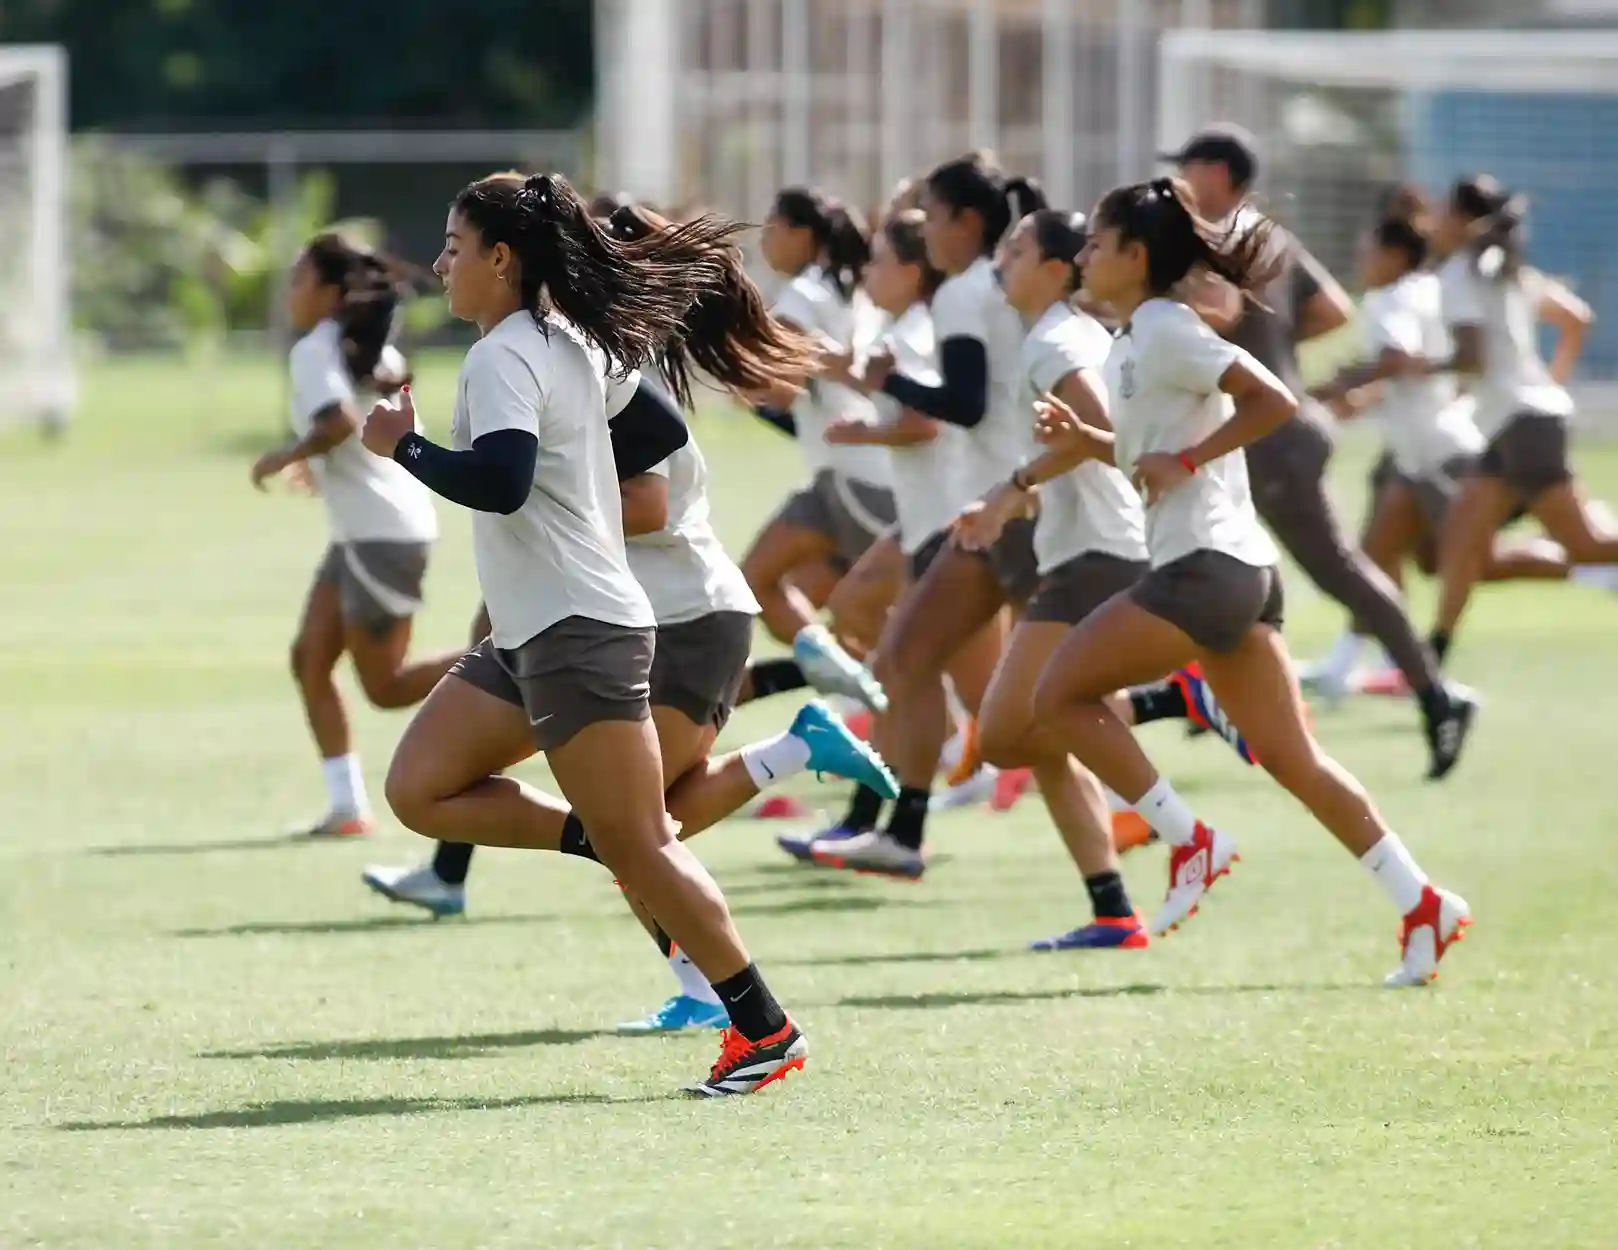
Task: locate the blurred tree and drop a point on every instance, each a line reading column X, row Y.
column 308, row 64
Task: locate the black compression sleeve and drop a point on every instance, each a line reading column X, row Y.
column 495, row 476
column 781, row 418
column 963, row 399
column 646, row 432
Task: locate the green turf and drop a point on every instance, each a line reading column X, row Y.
column 212, row 1038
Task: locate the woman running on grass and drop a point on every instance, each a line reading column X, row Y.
column 1184, row 404
column 561, row 304
column 381, row 522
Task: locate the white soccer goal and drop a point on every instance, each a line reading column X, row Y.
column 1341, row 117
column 36, row 367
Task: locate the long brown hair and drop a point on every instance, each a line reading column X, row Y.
column 1161, row 216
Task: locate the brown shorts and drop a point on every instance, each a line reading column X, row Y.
column 1212, row 598
column 851, row 513
column 567, row 677
column 1012, row 558
column 1071, row 591
column 378, row 583
column 1529, row 455
column 922, row 558
column 700, row 666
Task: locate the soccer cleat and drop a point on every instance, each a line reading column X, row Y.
column 834, row 751
column 745, row 1067
column 1192, row 871
column 1430, row 928
column 874, row 852
column 977, row 788
column 679, row 1013
column 832, row 670
column 779, row 807
column 1204, row 712
column 801, row 845
column 1130, row 830
column 1447, row 730
column 1009, row 787
column 340, row 824
column 970, row 760
column 1103, row 933
column 420, row 887
column 1387, row 682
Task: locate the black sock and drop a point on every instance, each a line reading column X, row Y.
column 1162, row 700
column 1434, row 702
column 1108, row 897
column 865, row 810
column 1440, row 642
column 451, row 861
column 776, row 677
column 907, row 826
column 574, row 840
column 754, row 1013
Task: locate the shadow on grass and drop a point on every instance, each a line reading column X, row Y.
column 369, row 924
column 278, row 842
column 905, row 957
column 277, row 1114
column 989, row 998
column 841, row 903
column 835, row 882
column 462, row 1046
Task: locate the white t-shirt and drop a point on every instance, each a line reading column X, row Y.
column 1163, row 385
column 972, row 305
column 562, row 553
column 368, row 499
column 1515, row 377
column 928, row 478
column 1423, row 426
column 812, row 303
column 1094, row 507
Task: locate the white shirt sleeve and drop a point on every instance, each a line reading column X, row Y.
column 1388, row 324
column 1184, row 353
column 1462, row 293
column 621, row 389
column 795, row 306
column 502, row 392
column 1050, row 360
column 959, row 313
column 319, row 377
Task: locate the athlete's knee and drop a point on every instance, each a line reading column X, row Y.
column 383, row 690
column 409, row 793
column 309, row 666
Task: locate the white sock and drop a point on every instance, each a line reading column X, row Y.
column 345, row 783
column 775, row 759
column 1344, row 655
column 1396, row 871
column 692, row 983
column 1603, row 575
column 1167, row 814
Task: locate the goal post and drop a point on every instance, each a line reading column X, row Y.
column 36, row 364
column 1339, row 117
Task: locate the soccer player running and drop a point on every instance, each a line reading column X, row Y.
column 1288, row 466
column 1184, row 405
column 560, row 303
column 381, row 522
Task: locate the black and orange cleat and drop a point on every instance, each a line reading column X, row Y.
column 745, row 1067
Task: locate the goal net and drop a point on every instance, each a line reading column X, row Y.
column 36, row 375
column 1340, row 118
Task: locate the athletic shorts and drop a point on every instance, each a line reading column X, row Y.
column 378, row 583
column 850, row 513
column 568, row 677
column 700, row 666
column 1012, row 558
column 1212, row 598
column 921, row 559
column 1529, row 455
column 1073, row 590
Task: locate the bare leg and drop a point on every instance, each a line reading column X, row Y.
column 388, row 677
column 315, row 653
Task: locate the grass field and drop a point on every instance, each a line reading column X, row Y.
column 216, row 1038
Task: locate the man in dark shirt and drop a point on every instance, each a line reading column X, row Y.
column 1288, row 467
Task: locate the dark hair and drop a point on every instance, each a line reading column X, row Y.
column 627, row 298
column 371, row 286
column 728, row 333
column 842, row 242
column 1410, row 235
column 1061, row 236
column 1161, row 216
column 603, row 205
column 1402, row 199
column 1499, row 220
column 904, row 233
column 977, row 183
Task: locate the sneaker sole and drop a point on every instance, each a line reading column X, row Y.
column 864, row 870
column 780, row 1074
column 437, row 913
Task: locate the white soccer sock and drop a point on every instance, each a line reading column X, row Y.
column 1341, row 659
column 1167, row 814
column 692, row 983
column 345, row 783
column 775, row 759
column 1396, row 871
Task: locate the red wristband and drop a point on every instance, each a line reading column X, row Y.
column 1185, row 459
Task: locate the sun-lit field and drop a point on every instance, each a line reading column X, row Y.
column 214, row 1037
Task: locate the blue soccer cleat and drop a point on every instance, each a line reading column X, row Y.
column 832, row 670
column 679, row 1013
column 798, row 845
column 1103, row 933
column 835, row 751
column 1204, row 712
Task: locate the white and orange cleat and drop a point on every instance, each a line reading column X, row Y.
column 1430, row 928
column 1193, row 869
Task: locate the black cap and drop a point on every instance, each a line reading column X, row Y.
column 1227, row 145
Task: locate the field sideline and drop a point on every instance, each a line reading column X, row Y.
column 214, row 1038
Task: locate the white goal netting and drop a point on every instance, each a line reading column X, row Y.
column 36, row 375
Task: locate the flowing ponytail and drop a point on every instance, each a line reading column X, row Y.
column 1161, row 216
column 1499, row 224
column 976, row 182
column 842, row 242
column 371, row 285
